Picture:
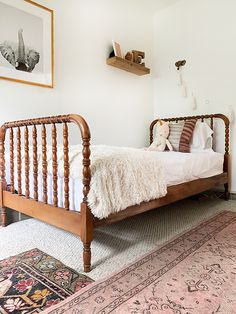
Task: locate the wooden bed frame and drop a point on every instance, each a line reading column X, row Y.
column 80, row 223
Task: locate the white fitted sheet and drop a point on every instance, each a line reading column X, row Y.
column 179, row 168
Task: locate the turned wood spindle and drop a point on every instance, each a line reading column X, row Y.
column 212, row 123
column 35, row 162
column 12, row 189
column 151, row 129
column 19, row 163
column 227, row 139
column 44, row 163
column 54, row 164
column 86, row 169
column 66, row 166
column 3, row 220
column 2, row 160
column 27, row 168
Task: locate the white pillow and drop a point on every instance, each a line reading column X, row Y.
column 202, row 138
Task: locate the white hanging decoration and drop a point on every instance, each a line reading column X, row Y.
column 180, row 78
column 184, row 92
column 181, row 83
column 193, row 102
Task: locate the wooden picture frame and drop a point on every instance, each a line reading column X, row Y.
column 26, row 43
column 117, row 49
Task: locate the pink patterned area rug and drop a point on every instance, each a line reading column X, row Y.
column 193, row 274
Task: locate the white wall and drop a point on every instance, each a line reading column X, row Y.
column 116, row 104
column 203, row 32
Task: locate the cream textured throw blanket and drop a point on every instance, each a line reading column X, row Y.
column 121, row 176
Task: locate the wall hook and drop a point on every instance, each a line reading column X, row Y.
column 180, row 63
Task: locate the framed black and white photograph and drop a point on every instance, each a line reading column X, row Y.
column 26, row 43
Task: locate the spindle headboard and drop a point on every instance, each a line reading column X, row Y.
column 210, row 117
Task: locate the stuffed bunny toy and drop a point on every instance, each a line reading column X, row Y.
column 160, row 140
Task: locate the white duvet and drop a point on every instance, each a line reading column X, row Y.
column 185, row 167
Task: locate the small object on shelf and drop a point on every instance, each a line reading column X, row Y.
column 129, row 56
column 128, row 66
column 117, row 49
column 138, row 56
column 112, row 54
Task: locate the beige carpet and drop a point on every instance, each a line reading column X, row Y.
column 116, row 245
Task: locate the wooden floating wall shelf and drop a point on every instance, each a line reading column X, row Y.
column 128, row 66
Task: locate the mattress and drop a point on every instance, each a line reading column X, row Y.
column 179, row 168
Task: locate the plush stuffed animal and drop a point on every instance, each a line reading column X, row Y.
column 160, row 140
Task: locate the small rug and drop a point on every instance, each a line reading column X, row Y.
column 191, row 274
column 33, row 281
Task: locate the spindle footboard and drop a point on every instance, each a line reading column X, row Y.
column 79, row 223
column 19, row 135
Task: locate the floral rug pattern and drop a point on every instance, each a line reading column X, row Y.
column 33, row 281
column 195, row 273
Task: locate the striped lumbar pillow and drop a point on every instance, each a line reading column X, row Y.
column 186, row 136
column 175, row 134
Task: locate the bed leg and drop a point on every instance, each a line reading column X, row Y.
column 226, row 193
column 3, row 217
column 87, row 257
column 86, row 235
